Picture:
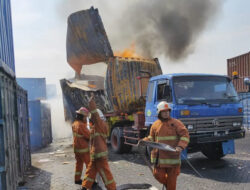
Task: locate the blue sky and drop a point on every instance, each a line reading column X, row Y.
column 39, row 29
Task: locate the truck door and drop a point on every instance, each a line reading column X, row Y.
column 150, row 110
column 163, row 92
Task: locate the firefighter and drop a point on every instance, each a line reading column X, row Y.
column 81, row 142
column 169, row 131
column 98, row 151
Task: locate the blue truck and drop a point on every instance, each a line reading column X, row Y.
column 208, row 105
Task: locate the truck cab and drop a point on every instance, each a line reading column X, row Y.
column 208, row 105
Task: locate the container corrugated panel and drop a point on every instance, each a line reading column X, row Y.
column 245, row 100
column 23, row 129
column 87, row 41
column 35, row 124
column 8, row 133
column 241, row 64
column 40, row 124
column 46, row 124
column 6, row 36
column 36, row 87
column 122, row 85
column 76, row 97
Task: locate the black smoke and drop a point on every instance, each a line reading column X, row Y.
column 169, row 27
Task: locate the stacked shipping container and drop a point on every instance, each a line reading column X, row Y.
column 241, row 64
column 6, row 36
column 24, row 131
column 14, row 126
column 39, row 112
column 8, row 133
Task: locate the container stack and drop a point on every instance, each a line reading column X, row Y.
column 241, row 64
column 14, row 126
column 39, row 112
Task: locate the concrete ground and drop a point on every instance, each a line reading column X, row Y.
column 53, row 168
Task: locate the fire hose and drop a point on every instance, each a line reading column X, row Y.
column 163, row 147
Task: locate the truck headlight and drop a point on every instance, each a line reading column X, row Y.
column 190, row 127
column 236, row 124
column 185, row 112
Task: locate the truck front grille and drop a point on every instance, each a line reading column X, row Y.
column 208, row 124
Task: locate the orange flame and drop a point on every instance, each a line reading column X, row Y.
column 128, row 52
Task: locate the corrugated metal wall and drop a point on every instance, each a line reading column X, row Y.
column 6, row 36
column 245, row 100
column 122, row 85
column 40, row 124
column 87, row 41
column 241, row 64
column 36, row 87
column 46, row 124
column 8, row 133
column 24, row 132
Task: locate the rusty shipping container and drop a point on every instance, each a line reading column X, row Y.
column 123, row 79
column 77, row 95
column 122, row 91
column 241, row 64
column 23, row 131
column 87, row 41
column 8, row 132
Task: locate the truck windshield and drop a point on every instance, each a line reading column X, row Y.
column 204, row 90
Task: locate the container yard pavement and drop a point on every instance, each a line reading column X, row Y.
column 53, row 168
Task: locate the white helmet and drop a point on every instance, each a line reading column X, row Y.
column 101, row 115
column 162, row 106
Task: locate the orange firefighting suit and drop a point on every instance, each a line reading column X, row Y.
column 167, row 164
column 98, row 154
column 81, row 146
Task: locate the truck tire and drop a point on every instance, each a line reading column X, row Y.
column 117, row 142
column 213, row 151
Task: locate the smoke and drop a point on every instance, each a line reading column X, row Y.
column 157, row 27
column 170, row 27
column 60, row 128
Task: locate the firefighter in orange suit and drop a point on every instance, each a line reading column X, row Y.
column 81, row 142
column 169, row 131
column 98, row 151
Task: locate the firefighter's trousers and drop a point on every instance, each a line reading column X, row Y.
column 167, row 176
column 81, row 158
column 100, row 166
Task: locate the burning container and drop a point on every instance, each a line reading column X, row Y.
column 40, row 124
column 23, row 130
column 36, row 87
column 6, row 36
column 127, row 80
column 87, row 42
column 8, row 132
column 124, row 87
column 241, row 64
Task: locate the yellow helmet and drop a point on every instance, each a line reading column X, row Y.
column 162, row 106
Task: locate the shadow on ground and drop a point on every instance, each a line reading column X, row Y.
column 36, row 178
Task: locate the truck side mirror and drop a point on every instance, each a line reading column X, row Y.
column 247, row 81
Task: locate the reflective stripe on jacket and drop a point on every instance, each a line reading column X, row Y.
column 173, row 133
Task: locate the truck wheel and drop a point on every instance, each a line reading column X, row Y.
column 117, row 142
column 213, row 151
